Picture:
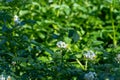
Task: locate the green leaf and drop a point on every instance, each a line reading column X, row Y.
column 98, row 42
column 75, row 36
column 48, row 50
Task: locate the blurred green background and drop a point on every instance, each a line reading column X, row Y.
column 28, row 50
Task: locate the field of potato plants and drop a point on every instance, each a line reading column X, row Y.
column 59, row 39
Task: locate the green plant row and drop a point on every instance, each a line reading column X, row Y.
column 60, row 39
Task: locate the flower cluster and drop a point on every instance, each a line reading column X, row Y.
column 90, row 55
column 118, row 58
column 13, row 63
column 16, row 19
column 50, row 1
column 90, row 76
column 61, row 44
column 8, row 78
column 3, row 77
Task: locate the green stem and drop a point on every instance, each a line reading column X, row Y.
column 80, row 64
column 58, row 9
column 113, row 26
column 86, row 62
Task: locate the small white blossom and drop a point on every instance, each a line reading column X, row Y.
column 118, row 58
column 2, row 77
column 13, row 63
column 16, row 19
column 90, row 55
column 90, row 76
column 61, row 44
column 50, row 1
column 8, row 78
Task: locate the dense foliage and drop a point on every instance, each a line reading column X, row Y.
column 60, row 39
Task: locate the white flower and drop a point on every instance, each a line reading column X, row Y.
column 89, row 55
column 61, row 44
column 16, row 19
column 90, row 76
column 118, row 58
column 8, row 78
column 13, row 63
column 50, row 1
column 2, row 77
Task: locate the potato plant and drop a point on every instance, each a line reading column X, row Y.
column 60, row 39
